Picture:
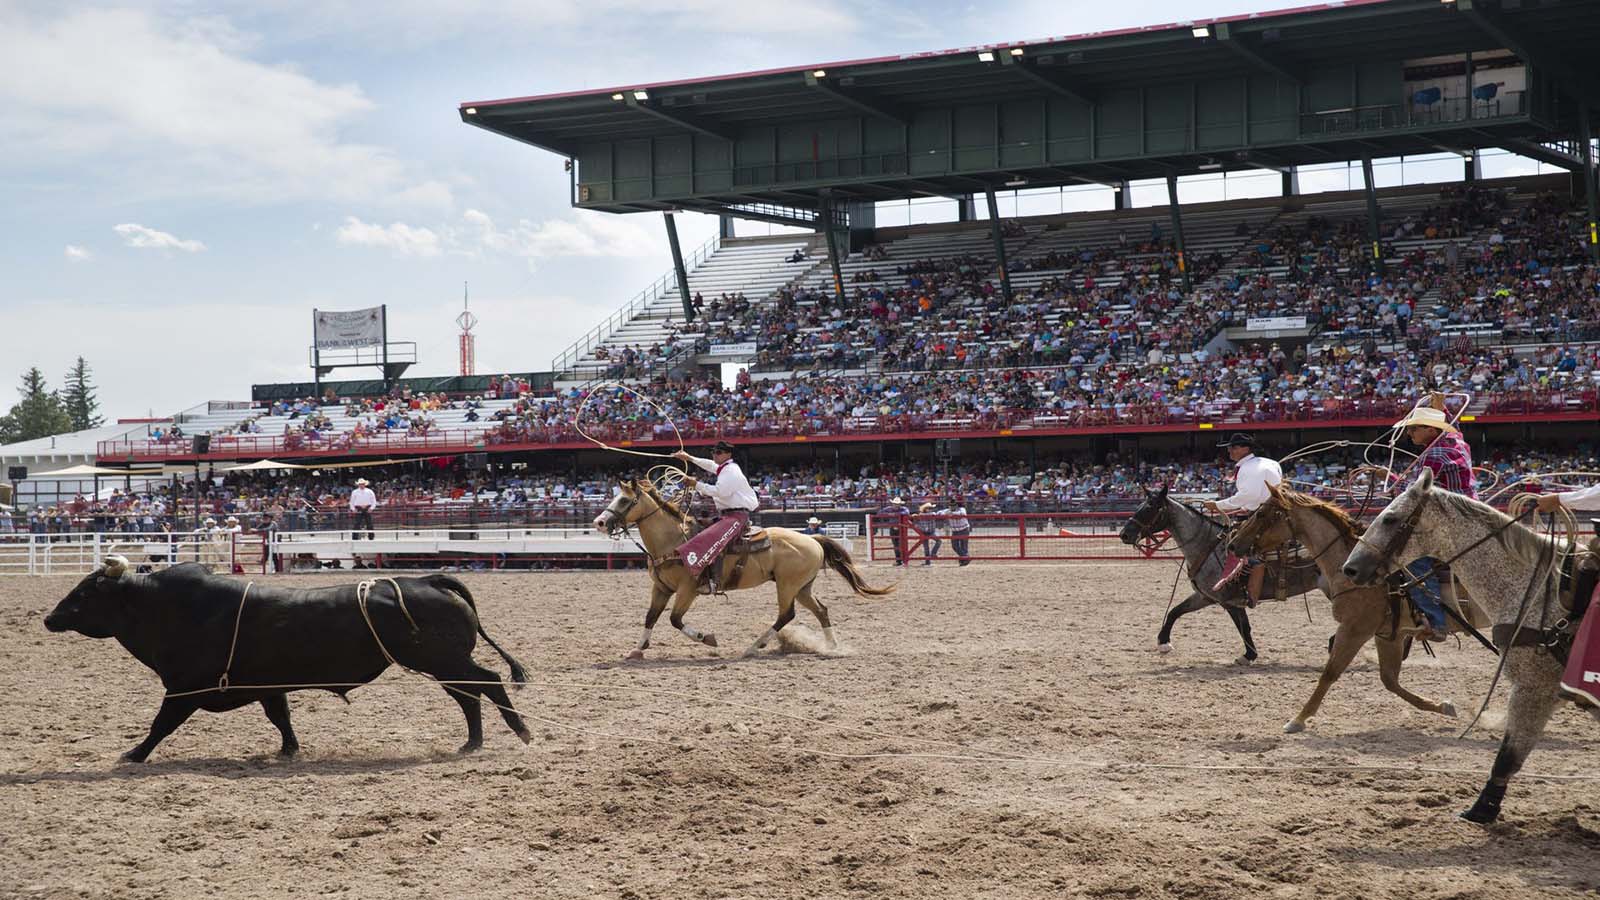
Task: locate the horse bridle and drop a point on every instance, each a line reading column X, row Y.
column 1148, row 527
column 1388, row 556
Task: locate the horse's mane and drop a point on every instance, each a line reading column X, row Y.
column 669, row 506
column 1340, row 518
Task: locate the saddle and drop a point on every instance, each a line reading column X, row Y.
column 754, row 540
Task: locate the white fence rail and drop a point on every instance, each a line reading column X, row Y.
column 81, row 553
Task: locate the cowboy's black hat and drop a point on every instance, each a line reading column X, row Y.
column 1240, row 439
column 722, row 447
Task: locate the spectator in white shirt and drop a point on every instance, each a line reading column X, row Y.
column 362, row 502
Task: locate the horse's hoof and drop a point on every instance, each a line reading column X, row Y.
column 133, row 756
column 1244, row 661
column 754, row 649
column 526, row 736
column 635, row 654
column 709, row 639
column 288, row 752
column 1163, row 649
column 1481, row 816
column 1294, row 727
column 1446, row 708
column 470, row 747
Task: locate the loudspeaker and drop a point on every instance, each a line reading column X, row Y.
column 202, row 444
column 475, row 460
column 17, row 473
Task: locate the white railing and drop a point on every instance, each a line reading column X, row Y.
column 569, row 358
column 81, row 553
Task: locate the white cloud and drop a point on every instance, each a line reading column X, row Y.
column 179, row 106
column 78, row 254
column 145, row 238
column 586, row 234
column 397, row 237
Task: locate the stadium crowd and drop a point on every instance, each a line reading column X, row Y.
column 440, row 492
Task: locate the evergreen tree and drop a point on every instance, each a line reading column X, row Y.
column 77, row 398
column 39, row 414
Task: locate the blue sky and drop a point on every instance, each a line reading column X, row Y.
column 184, row 182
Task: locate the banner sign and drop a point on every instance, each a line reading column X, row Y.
column 745, row 348
column 1276, row 323
column 352, row 328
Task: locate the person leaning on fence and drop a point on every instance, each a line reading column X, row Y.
column 813, row 526
column 930, row 521
column 960, row 530
column 894, row 518
column 1254, row 474
column 362, row 502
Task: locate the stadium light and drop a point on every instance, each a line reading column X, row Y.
column 985, row 56
column 617, row 97
column 820, row 73
column 641, row 95
column 1202, row 31
column 472, row 110
column 1018, row 181
column 1209, row 167
column 1016, row 51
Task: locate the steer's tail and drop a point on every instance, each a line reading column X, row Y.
column 837, row 558
column 519, row 675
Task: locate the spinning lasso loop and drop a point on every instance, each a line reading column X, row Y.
column 1384, row 469
column 670, row 477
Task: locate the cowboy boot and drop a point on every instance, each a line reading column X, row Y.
column 1258, row 577
column 1231, row 567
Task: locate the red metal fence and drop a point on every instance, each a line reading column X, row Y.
column 1010, row 537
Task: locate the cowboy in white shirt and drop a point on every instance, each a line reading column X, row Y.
column 362, row 502
column 735, row 501
column 1255, row 473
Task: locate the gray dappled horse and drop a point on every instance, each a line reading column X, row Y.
column 1201, row 539
column 1429, row 521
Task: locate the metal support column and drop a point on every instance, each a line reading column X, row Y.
column 1372, row 215
column 1177, row 230
column 999, row 246
column 677, row 266
column 1121, row 195
column 831, row 233
column 725, row 226
column 1589, row 177
column 966, row 208
column 1472, row 167
column 1291, row 181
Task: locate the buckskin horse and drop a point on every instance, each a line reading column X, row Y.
column 1512, row 571
column 1377, row 612
column 789, row 558
column 1200, row 539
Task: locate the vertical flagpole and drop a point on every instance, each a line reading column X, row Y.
column 316, row 358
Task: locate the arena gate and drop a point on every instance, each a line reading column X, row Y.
column 1007, row 537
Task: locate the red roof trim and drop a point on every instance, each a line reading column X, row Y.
column 931, row 54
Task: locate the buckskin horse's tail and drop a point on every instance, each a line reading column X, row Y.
column 837, row 558
column 519, row 675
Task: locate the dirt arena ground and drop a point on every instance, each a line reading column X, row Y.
column 782, row 776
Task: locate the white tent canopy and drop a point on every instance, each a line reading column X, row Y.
column 88, row 471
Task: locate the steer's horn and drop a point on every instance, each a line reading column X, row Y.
column 116, row 566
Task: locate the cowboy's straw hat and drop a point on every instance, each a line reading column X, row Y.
column 362, row 482
column 813, row 521
column 1427, row 415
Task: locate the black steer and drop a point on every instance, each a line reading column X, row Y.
column 181, row 622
